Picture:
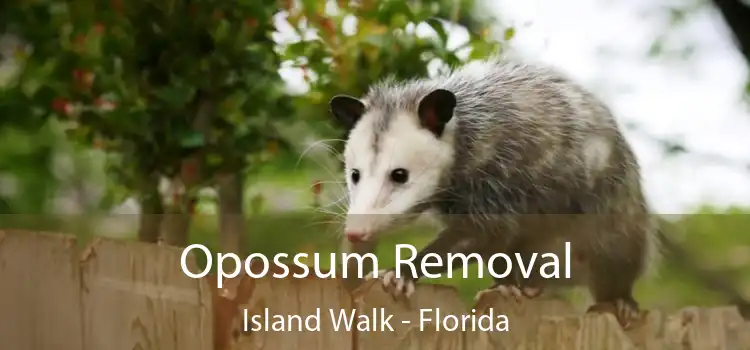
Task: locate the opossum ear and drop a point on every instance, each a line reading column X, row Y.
column 346, row 109
column 436, row 109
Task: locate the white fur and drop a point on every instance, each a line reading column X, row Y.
column 376, row 201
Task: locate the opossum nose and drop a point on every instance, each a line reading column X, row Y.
column 355, row 237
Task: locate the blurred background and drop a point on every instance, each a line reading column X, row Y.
column 179, row 121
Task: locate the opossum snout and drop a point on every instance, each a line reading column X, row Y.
column 362, row 227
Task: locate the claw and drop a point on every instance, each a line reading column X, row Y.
column 401, row 286
column 388, row 278
column 410, row 288
column 625, row 312
column 532, row 292
column 482, row 293
column 510, row 291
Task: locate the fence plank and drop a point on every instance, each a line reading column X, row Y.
column 371, row 296
column 39, row 299
column 523, row 317
column 227, row 318
column 709, row 328
column 294, row 296
column 429, row 338
column 136, row 296
column 649, row 334
column 588, row 332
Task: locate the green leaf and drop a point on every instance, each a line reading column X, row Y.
column 222, row 31
column 510, row 32
column 175, row 96
column 296, row 49
column 438, row 26
column 192, row 140
column 376, row 40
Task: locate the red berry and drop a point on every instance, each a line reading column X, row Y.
column 328, row 26
column 190, row 171
column 99, row 28
column 251, row 22
column 189, row 168
column 61, row 105
column 84, row 77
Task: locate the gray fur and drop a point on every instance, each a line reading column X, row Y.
column 528, row 142
column 519, row 135
column 522, row 135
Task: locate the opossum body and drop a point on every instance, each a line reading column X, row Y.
column 514, row 158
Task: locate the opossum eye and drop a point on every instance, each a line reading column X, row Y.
column 400, row 176
column 355, row 176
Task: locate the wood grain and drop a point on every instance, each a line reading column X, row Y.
column 39, row 291
column 128, row 295
column 136, row 296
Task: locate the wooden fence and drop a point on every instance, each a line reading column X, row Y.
column 116, row 295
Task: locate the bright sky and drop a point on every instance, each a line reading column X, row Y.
column 695, row 100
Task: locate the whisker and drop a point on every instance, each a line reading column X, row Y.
column 335, row 215
column 316, row 143
column 336, row 203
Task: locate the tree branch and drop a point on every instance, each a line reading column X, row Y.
column 737, row 17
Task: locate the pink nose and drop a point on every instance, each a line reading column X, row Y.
column 354, row 237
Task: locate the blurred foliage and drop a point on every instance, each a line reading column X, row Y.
column 354, row 46
column 23, row 151
column 187, row 89
column 133, row 78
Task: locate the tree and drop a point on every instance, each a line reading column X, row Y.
column 179, row 89
column 736, row 14
column 190, row 91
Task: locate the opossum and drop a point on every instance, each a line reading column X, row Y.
column 513, row 157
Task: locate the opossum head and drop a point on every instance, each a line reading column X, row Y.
column 395, row 157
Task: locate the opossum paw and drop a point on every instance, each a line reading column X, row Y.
column 626, row 311
column 510, row 291
column 397, row 287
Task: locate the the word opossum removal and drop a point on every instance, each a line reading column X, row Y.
column 549, row 268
